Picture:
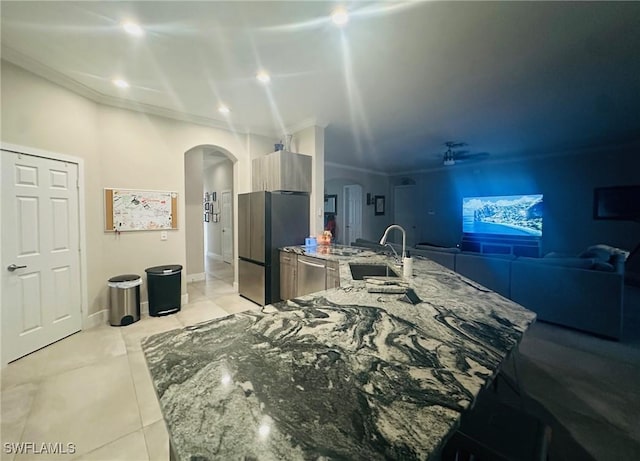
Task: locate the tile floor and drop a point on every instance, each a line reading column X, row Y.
column 590, row 385
column 93, row 388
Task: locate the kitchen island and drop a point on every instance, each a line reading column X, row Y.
column 339, row 374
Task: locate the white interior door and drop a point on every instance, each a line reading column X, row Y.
column 227, row 227
column 352, row 213
column 404, row 213
column 41, row 287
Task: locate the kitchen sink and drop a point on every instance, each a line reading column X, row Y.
column 360, row 271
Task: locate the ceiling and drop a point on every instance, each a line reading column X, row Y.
column 392, row 86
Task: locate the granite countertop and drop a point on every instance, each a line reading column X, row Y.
column 339, row 374
column 329, row 252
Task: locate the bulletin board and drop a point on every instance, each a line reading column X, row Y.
column 140, row 210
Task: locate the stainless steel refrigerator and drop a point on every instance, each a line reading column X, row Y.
column 267, row 221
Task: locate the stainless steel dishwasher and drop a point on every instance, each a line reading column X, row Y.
column 311, row 275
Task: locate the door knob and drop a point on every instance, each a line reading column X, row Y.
column 13, row 267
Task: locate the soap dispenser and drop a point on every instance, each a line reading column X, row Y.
column 407, row 266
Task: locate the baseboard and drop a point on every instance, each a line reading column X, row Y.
column 195, row 277
column 144, row 306
column 96, row 319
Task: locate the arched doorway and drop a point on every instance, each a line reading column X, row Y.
column 209, row 222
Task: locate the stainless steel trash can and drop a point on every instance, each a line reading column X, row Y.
column 124, row 299
column 164, row 287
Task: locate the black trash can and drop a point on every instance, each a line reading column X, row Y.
column 164, row 286
column 124, row 299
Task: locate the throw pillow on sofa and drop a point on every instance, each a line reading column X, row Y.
column 609, row 248
column 605, row 253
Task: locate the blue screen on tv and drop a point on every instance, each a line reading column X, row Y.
column 503, row 215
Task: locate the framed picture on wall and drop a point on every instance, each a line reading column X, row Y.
column 207, row 206
column 206, row 217
column 378, row 202
column 330, row 204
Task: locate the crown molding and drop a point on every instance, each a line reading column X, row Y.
column 36, row 67
column 525, row 158
column 355, row 168
column 307, row 123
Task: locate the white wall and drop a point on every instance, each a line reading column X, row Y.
column 38, row 114
column 310, row 141
column 337, row 176
column 193, row 164
column 121, row 148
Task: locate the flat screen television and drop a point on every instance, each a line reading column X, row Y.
column 512, row 215
column 618, row 203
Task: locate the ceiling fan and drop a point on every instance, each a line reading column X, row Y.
column 452, row 156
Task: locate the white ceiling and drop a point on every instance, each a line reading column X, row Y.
column 509, row 78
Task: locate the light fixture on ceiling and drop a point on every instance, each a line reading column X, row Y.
column 224, row 109
column 120, row 83
column 453, row 157
column 132, row 28
column 340, row 16
column 448, row 159
column 263, row 77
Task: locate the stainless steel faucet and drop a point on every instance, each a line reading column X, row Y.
column 396, row 258
column 383, row 240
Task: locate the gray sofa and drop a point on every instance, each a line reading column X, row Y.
column 444, row 256
column 585, row 299
column 585, row 293
column 493, row 272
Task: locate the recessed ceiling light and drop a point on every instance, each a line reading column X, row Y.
column 340, row 16
column 223, row 109
column 120, row 83
column 263, row 77
column 132, row 28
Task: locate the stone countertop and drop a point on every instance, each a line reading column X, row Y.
column 329, row 252
column 339, row 374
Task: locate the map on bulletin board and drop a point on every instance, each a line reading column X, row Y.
column 133, row 210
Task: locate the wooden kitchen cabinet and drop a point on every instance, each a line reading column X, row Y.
column 258, row 176
column 288, row 275
column 281, row 171
column 333, row 274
